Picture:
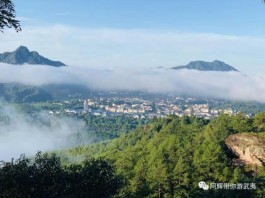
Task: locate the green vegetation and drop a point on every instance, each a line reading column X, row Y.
column 103, row 128
column 162, row 157
column 238, row 106
column 46, row 177
column 23, row 93
column 94, row 128
column 168, row 157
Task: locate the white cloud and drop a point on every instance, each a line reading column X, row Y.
column 229, row 85
column 129, row 48
column 25, row 134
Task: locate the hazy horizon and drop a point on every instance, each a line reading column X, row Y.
column 222, row 85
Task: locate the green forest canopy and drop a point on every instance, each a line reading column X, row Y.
column 166, row 157
column 169, row 156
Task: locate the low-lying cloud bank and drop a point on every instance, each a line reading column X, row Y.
column 21, row 133
column 226, row 85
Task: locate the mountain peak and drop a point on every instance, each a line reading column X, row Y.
column 22, row 49
column 22, row 55
column 207, row 66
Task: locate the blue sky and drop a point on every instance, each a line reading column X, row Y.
column 238, row 17
column 142, row 33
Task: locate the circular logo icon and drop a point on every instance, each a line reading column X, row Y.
column 203, row 185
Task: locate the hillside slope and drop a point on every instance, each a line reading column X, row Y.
column 172, row 155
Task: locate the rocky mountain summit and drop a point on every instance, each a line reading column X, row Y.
column 22, row 55
column 249, row 148
column 207, row 66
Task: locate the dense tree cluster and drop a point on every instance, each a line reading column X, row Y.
column 102, row 128
column 46, row 177
column 169, row 156
column 165, row 157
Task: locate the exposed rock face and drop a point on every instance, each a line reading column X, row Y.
column 248, row 147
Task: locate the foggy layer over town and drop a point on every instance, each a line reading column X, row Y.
column 225, row 85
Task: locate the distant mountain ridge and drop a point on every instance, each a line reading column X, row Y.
column 22, row 55
column 15, row 92
column 207, row 66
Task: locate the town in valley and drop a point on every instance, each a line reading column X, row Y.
column 145, row 106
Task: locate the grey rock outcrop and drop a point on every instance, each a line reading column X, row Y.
column 249, row 148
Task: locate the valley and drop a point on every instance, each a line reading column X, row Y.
column 157, row 144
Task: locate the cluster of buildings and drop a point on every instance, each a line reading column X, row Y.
column 141, row 108
column 135, row 107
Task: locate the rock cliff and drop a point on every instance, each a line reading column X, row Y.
column 249, row 148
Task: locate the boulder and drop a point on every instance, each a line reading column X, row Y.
column 249, row 148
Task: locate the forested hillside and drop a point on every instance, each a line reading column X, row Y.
column 46, row 177
column 168, row 157
column 14, row 92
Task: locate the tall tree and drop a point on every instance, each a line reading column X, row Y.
column 259, row 121
column 8, row 16
column 47, row 177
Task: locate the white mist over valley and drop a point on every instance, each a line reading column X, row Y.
column 23, row 133
column 225, row 85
